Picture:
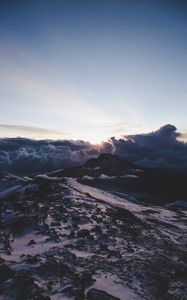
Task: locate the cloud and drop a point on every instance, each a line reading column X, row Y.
column 26, row 129
column 183, row 136
column 23, row 155
column 159, row 149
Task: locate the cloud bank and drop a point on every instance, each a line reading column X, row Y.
column 22, row 155
column 158, row 149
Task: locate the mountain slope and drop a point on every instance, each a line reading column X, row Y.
column 61, row 239
column 113, row 173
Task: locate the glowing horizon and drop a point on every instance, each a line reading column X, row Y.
column 90, row 69
column 37, row 133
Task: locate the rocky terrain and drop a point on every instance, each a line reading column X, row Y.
column 62, row 239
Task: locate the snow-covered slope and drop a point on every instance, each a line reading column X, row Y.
column 61, row 239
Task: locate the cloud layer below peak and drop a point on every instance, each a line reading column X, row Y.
column 159, row 149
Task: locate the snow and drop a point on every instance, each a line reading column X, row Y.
column 47, row 178
column 111, row 284
column 86, row 177
column 103, row 195
column 20, row 246
column 104, row 176
column 129, row 176
column 88, row 202
column 10, row 191
column 163, row 214
column 83, row 254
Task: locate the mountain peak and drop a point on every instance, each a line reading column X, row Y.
column 109, row 164
column 107, row 156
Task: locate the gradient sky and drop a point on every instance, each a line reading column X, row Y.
column 92, row 69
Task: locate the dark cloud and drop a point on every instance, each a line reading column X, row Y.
column 160, row 149
column 29, row 156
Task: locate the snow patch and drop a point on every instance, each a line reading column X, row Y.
column 112, row 285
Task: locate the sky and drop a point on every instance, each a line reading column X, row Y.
column 92, row 69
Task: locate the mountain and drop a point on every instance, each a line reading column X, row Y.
column 105, row 158
column 108, row 164
column 61, row 239
column 105, row 230
column 110, row 172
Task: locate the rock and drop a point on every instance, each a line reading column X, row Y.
column 31, row 242
column 98, row 229
column 113, row 253
column 58, row 224
column 2, row 260
column 28, row 289
column 94, row 294
column 33, row 259
column 103, row 247
column 77, row 293
column 72, row 234
column 83, row 233
column 5, row 273
column 86, row 278
column 80, row 242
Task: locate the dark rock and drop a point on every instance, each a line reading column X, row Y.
column 31, row 242
column 5, row 273
column 86, row 279
column 26, row 288
column 103, row 247
column 77, row 293
column 83, row 233
column 98, row 229
column 80, row 242
column 53, row 268
column 2, row 260
column 113, row 253
column 56, row 224
column 33, row 259
column 72, row 234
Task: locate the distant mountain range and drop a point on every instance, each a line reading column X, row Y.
column 110, row 170
column 111, row 173
column 105, row 163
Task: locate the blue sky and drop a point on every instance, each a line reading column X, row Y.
column 92, row 69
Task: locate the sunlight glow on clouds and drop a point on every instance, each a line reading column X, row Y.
column 160, row 149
